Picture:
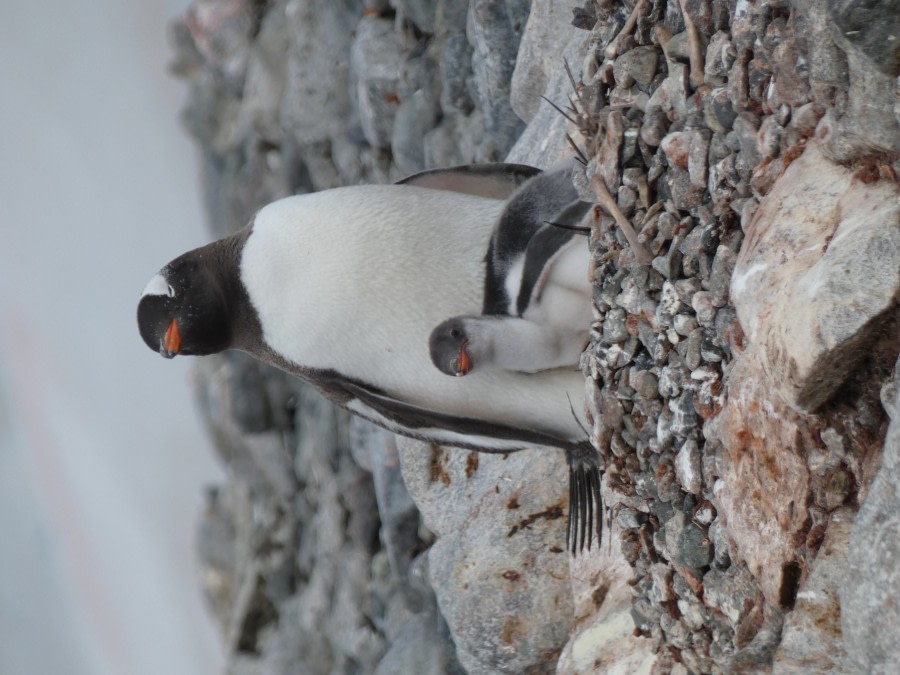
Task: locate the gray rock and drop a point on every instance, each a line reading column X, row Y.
column 455, row 69
column 870, row 123
column 420, row 12
column 709, row 349
column 721, row 545
column 684, row 415
column 655, row 126
column 826, row 62
column 265, row 81
column 614, row 328
column 697, row 157
column 720, row 276
column 258, row 455
column 671, row 95
column 693, row 347
column 684, row 323
column 769, row 137
column 720, row 56
column 669, row 304
column 671, row 380
column 376, row 59
column 668, row 265
column 495, row 40
column 454, row 142
column 686, row 543
column 869, row 611
column 636, row 65
column 871, row 27
column 422, row 645
column 645, row 383
column 315, row 107
column 396, row 510
column 413, row 119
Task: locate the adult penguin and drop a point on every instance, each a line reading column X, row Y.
column 343, row 287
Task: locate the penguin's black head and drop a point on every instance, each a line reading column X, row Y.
column 449, row 347
column 183, row 309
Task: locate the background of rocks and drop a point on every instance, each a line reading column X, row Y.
column 740, row 383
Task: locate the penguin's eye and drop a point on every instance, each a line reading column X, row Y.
column 171, row 291
column 455, row 333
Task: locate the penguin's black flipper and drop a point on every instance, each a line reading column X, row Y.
column 495, row 181
column 585, row 502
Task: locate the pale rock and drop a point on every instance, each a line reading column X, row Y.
column 500, row 526
column 671, row 95
column 812, row 637
column 720, row 55
column 539, row 61
column 819, row 268
column 603, row 639
column 609, row 157
column 687, row 467
column 764, row 478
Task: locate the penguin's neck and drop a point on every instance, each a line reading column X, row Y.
column 225, row 256
column 515, row 344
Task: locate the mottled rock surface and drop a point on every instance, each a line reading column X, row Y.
column 499, row 566
column 738, row 369
column 811, row 641
column 869, row 607
column 817, row 274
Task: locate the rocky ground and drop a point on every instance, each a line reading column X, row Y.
column 740, row 374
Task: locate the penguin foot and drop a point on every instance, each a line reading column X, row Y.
column 585, row 502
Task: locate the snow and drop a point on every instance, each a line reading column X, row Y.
column 102, row 458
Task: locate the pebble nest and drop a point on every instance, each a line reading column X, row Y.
column 687, row 135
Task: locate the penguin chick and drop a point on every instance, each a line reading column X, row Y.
column 537, row 296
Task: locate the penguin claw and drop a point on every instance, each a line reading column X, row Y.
column 585, row 502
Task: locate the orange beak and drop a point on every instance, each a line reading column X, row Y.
column 172, row 342
column 463, row 362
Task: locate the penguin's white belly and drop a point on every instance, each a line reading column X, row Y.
column 563, row 298
column 355, row 279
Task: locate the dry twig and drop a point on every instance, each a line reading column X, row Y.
column 696, row 55
column 605, row 199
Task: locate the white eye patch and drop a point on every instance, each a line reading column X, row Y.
column 158, row 286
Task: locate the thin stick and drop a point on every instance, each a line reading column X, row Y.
column 662, row 35
column 581, row 158
column 696, row 55
column 605, row 199
column 560, row 111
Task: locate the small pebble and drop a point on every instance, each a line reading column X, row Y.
column 703, row 307
column 684, row 323
column 645, row 383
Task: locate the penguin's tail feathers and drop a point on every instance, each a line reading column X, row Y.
column 585, row 502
